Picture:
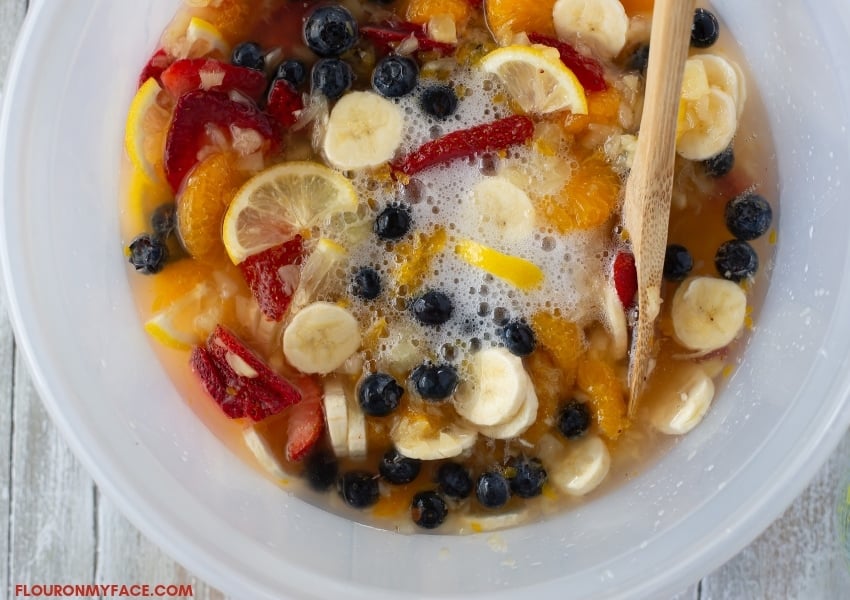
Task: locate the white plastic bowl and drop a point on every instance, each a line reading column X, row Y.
column 782, row 413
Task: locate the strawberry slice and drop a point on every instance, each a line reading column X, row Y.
column 388, row 35
column 158, row 63
column 206, row 368
column 588, row 71
column 194, row 73
column 497, row 135
column 284, row 101
column 197, row 109
column 306, row 421
column 625, row 278
column 272, row 276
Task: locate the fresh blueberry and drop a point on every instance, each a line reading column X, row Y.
column 393, row 222
column 249, row 55
column 164, row 220
column 454, row 480
column 519, row 338
column 528, row 477
column 433, row 308
column 291, row 70
column 366, row 283
column 640, row 59
column 493, row 490
column 358, row 488
column 428, row 510
column 705, row 29
column 321, row 470
column 574, row 420
column 736, row 260
column 331, row 77
column 330, row 30
column 399, row 469
column 678, row 262
column 439, row 101
column 379, row 394
column 148, row 254
column 748, row 216
column 435, row 382
column 395, row 76
column 720, row 164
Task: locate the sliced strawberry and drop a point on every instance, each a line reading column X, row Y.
column 388, row 35
column 194, row 73
column 588, row 71
column 306, row 421
column 625, row 278
column 273, row 276
column 156, row 65
column 497, row 135
column 214, row 381
column 284, row 101
column 187, row 133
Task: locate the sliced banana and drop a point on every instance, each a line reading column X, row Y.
column 320, row 338
column 724, row 75
column 478, row 523
column 707, row 125
column 416, row 438
column 602, row 24
column 680, row 403
column 261, row 450
column 708, row 313
column 524, row 419
column 615, row 319
column 496, row 390
column 357, row 444
column 582, row 467
column 336, row 415
column 364, row 130
column 502, row 206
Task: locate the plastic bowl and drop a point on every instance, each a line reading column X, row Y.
column 778, row 419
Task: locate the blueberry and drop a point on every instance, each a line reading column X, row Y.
column 164, row 220
column 393, row 222
column 454, row 480
column 528, row 477
column 332, row 77
column 677, row 263
column 321, row 470
column 395, row 76
column 439, row 101
column 705, row 30
column 399, row 469
column 379, row 394
column 435, row 382
column 291, row 70
column 330, row 30
column 433, row 308
column 519, row 338
column 428, row 510
column 574, row 420
column 493, row 490
column 358, row 488
column 720, row 164
column 148, row 254
column 249, row 55
column 736, row 260
column 366, row 283
column 640, row 59
column 748, row 216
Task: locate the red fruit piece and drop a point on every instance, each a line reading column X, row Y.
column 588, row 71
column 206, row 368
column 497, row 135
column 187, row 133
column 273, row 276
column 625, row 278
column 194, row 73
column 284, row 102
column 156, row 65
column 306, row 421
column 389, row 34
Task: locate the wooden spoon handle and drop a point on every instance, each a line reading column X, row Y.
column 649, row 187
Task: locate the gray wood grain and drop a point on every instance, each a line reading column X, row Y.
column 7, row 360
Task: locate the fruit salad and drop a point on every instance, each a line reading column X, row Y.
column 379, row 245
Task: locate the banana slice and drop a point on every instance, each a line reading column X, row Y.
column 416, row 438
column 259, row 447
column 356, row 438
column 708, row 313
column 682, row 401
column 582, row 467
column 707, row 125
column 601, row 23
column 615, row 319
column 336, row 415
column 364, row 130
column 478, row 523
column 320, row 338
column 496, row 390
column 724, row 75
column 503, row 207
column 524, row 419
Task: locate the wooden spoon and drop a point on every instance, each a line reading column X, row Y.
column 650, row 184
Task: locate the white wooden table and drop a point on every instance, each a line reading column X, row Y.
column 56, row 527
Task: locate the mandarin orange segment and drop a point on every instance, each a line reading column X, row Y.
column 599, row 381
column 505, row 18
column 564, row 340
column 638, row 7
column 396, row 502
column 234, row 19
column 551, row 388
column 182, row 278
column 589, row 198
column 602, row 107
column 414, row 257
column 421, row 11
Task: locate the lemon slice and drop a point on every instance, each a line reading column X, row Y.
column 280, row 202
column 519, row 272
column 203, row 38
column 536, row 79
column 187, row 321
column 144, row 133
column 325, row 258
